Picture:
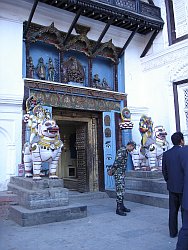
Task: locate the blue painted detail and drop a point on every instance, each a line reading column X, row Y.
column 27, row 134
column 49, row 109
column 24, row 61
column 45, row 167
column 109, row 148
column 129, row 163
column 104, row 68
column 121, row 75
column 126, row 136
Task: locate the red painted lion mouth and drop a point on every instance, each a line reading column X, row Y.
column 52, row 130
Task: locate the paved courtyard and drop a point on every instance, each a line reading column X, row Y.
column 145, row 228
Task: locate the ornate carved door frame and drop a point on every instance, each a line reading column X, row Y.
column 180, row 90
column 90, row 124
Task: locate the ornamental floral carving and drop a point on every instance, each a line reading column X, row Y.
column 49, row 34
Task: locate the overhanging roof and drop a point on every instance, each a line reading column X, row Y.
column 133, row 15
column 126, row 14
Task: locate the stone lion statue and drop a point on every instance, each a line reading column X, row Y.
column 44, row 143
column 148, row 156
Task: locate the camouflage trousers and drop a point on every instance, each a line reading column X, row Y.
column 120, row 187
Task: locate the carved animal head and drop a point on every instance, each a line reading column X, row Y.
column 160, row 133
column 48, row 128
column 146, row 125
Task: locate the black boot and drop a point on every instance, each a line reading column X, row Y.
column 127, row 210
column 119, row 210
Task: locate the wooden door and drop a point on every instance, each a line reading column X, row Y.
column 81, row 147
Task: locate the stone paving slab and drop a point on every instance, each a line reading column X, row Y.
column 145, row 228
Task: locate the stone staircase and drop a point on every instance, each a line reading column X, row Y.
column 145, row 187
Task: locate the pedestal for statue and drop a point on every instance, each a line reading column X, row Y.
column 42, row 201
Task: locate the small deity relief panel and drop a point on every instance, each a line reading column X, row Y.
column 43, row 71
column 107, row 132
column 73, row 71
column 105, row 84
column 51, row 70
column 98, row 84
column 30, row 67
column 96, row 81
column 107, row 120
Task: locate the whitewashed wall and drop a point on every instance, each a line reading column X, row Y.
column 11, row 96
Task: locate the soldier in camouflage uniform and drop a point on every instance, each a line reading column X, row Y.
column 118, row 171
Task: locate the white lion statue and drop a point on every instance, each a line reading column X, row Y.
column 148, row 156
column 44, row 143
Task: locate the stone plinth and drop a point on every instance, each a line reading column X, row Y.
column 35, row 194
column 30, row 184
column 42, row 201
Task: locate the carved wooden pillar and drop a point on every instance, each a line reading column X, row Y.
column 115, row 77
column 100, row 152
column 61, row 54
column 138, row 6
column 118, row 131
column 94, row 183
column 27, row 44
column 90, row 64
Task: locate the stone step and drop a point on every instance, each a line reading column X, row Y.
column 7, row 199
column 145, row 174
column 26, row 217
column 75, row 196
column 147, row 198
column 146, row 185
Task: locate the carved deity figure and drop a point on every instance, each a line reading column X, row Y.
column 105, row 84
column 96, row 81
column 74, row 71
column 41, row 69
column 31, row 68
column 51, row 70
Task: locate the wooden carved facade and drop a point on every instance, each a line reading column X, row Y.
column 74, row 61
column 67, row 75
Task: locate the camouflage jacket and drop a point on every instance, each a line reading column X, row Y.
column 120, row 164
